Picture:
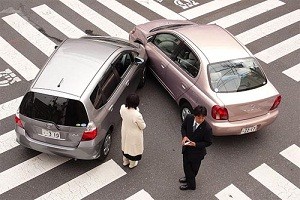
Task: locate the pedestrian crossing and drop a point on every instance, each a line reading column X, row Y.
column 108, row 172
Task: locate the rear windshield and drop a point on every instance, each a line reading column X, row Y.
column 58, row 110
column 235, row 75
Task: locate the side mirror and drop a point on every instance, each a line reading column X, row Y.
column 150, row 38
column 139, row 60
column 55, row 47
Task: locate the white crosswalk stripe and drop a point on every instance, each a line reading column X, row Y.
column 276, row 183
column 292, row 153
column 8, row 141
column 29, row 32
column 269, row 27
column 58, row 21
column 95, row 18
column 231, row 193
column 248, row 13
column 293, row 72
column 142, row 194
column 9, row 108
column 87, row 183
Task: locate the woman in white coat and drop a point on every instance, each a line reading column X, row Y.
column 132, row 140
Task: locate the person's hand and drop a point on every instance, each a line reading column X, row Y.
column 190, row 143
column 184, row 140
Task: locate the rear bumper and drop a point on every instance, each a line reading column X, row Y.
column 86, row 150
column 234, row 128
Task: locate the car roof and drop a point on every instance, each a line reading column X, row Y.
column 74, row 64
column 214, row 41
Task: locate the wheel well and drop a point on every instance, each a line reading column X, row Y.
column 182, row 101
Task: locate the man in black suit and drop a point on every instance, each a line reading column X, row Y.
column 196, row 136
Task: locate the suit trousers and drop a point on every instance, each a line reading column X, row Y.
column 191, row 165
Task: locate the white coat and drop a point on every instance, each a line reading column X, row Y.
column 132, row 140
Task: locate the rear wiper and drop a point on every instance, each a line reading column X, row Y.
column 47, row 121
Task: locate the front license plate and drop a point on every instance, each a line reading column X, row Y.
column 50, row 134
column 249, row 129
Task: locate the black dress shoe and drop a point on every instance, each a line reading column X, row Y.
column 186, row 187
column 182, row 180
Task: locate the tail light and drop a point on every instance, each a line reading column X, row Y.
column 219, row 113
column 276, row 103
column 90, row 133
column 18, row 121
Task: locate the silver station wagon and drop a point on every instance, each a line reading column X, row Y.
column 72, row 106
column 206, row 65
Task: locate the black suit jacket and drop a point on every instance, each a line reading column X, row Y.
column 202, row 136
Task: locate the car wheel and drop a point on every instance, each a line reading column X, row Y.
column 185, row 109
column 143, row 78
column 105, row 148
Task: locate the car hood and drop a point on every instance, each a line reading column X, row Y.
column 249, row 104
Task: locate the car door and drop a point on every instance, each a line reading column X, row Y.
column 160, row 50
column 182, row 71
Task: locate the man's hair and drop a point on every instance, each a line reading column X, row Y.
column 200, row 111
column 132, row 101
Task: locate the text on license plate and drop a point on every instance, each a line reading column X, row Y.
column 249, row 129
column 50, row 134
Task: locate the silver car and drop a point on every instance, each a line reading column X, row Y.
column 206, row 65
column 72, row 106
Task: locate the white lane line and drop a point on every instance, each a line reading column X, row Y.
column 231, row 193
column 10, row 107
column 160, row 9
column 28, row 170
column 293, row 72
column 276, row 183
column 292, row 153
column 281, row 49
column 30, row 33
column 206, row 8
column 8, row 141
column 87, row 183
column 16, row 60
column 95, row 18
column 248, row 13
column 58, row 21
column 142, row 194
column 124, row 11
column 269, row 27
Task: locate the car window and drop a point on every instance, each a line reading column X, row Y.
column 167, row 43
column 188, row 61
column 236, row 75
column 54, row 109
column 105, row 88
column 123, row 62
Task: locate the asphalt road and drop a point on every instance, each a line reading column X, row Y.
column 229, row 159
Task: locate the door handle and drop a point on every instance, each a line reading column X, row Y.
column 127, row 83
column 162, row 66
column 183, row 86
column 111, row 108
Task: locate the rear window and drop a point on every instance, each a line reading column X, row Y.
column 235, row 75
column 58, row 110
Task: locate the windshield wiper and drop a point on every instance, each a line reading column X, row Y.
column 47, row 121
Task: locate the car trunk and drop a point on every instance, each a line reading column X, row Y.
column 248, row 104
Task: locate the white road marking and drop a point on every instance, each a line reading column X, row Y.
column 28, row 170
column 231, row 193
column 10, row 107
column 95, row 18
column 206, row 8
column 124, row 11
column 293, row 72
column 87, row 183
column 16, row 60
column 160, row 9
column 142, row 194
column 276, row 183
column 269, row 27
column 292, row 153
column 30, row 33
column 248, row 13
column 279, row 50
column 8, row 141
column 58, row 21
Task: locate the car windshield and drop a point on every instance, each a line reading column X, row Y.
column 53, row 109
column 235, row 75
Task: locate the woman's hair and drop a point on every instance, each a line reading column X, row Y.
column 132, row 101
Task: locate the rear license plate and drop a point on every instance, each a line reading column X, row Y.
column 50, row 134
column 249, row 129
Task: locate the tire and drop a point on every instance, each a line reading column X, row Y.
column 105, row 148
column 143, row 78
column 185, row 109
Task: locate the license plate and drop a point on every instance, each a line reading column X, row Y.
column 249, row 129
column 50, row 134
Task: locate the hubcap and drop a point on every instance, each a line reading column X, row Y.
column 106, row 144
column 185, row 112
